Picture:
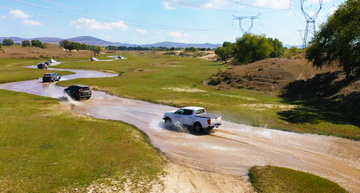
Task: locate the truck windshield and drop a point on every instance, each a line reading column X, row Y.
column 200, row 111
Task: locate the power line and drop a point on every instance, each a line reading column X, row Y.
column 250, row 5
column 133, row 22
column 189, row 5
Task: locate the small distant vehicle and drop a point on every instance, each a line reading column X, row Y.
column 195, row 117
column 94, row 59
column 78, row 92
column 42, row 65
column 51, row 77
column 52, row 61
column 120, row 57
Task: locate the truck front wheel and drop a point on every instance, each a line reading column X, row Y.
column 198, row 128
column 167, row 121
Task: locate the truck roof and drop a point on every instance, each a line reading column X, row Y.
column 193, row 108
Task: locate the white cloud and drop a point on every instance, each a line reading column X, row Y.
column 214, row 4
column 18, row 14
column 167, row 5
column 141, row 31
column 92, row 24
column 178, row 36
column 229, row 4
column 32, row 22
column 2, row 16
column 278, row 4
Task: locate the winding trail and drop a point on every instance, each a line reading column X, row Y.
column 229, row 150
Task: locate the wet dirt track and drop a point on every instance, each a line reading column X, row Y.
column 230, row 149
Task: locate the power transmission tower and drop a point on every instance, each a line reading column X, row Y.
column 310, row 21
column 252, row 18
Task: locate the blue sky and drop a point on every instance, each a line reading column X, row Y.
column 151, row 21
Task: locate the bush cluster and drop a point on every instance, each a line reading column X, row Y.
column 250, row 48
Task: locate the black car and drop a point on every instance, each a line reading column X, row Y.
column 51, row 77
column 42, row 65
column 78, row 92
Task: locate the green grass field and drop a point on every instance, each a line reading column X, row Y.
column 13, row 70
column 44, row 147
column 47, row 148
column 269, row 179
column 178, row 82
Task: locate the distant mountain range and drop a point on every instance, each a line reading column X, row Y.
column 99, row 42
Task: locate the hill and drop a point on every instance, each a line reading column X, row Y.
column 52, row 51
column 325, row 91
column 99, row 42
column 270, row 75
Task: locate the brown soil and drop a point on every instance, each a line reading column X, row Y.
column 269, row 74
column 52, row 51
column 185, row 179
column 177, row 179
column 295, row 79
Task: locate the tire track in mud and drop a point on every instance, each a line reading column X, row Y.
column 229, row 150
column 230, row 136
column 323, row 161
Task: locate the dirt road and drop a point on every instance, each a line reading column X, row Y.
column 228, row 151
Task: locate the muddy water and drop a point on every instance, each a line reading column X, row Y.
column 230, row 149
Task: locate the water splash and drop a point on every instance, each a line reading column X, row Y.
column 72, row 101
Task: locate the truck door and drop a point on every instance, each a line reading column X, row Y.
column 178, row 115
column 187, row 118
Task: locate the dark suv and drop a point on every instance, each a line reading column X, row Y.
column 42, row 65
column 51, row 77
column 78, row 92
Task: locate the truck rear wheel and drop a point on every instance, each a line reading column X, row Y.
column 198, row 128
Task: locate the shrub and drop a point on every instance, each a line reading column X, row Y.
column 8, row 42
column 25, row 43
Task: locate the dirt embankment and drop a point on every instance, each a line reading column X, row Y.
column 295, row 79
column 51, row 51
column 271, row 74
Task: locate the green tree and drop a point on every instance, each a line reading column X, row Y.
column 96, row 50
column 227, row 44
column 226, row 52
column 66, row 44
column 250, row 48
column 278, row 48
column 84, row 47
column 338, row 40
column 191, row 49
column 294, row 51
column 25, row 43
column 8, row 42
column 37, row 43
column 1, row 45
column 111, row 48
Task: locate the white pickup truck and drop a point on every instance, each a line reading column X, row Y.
column 193, row 116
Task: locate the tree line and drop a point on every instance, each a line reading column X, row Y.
column 70, row 45
column 24, row 43
column 161, row 48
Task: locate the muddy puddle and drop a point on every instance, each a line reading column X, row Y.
column 231, row 149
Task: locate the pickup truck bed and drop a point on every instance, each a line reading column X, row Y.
column 207, row 115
